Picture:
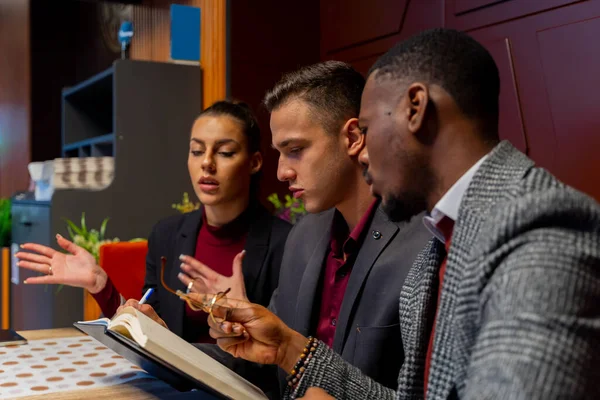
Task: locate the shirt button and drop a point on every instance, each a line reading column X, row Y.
column 376, row 235
column 333, row 322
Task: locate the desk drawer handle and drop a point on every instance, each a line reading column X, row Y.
column 26, row 222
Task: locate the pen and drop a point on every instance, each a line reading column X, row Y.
column 146, row 295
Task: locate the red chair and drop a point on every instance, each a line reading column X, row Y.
column 125, row 265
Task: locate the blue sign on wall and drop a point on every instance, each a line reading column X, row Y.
column 185, row 33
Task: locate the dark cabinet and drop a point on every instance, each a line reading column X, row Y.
column 38, row 306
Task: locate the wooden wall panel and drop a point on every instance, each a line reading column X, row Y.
column 511, row 120
column 470, row 14
column 542, row 48
column 213, row 49
column 345, row 24
column 572, row 76
column 14, row 96
column 411, row 17
column 267, row 40
column 5, row 288
column 152, row 40
column 151, row 26
column 556, row 75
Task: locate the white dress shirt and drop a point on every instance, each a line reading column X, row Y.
column 450, row 203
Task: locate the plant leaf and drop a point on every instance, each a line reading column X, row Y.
column 5, row 222
column 71, row 234
column 74, row 227
column 103, row 228
column 83, row 227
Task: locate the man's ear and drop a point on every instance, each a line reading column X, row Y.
column 256, row 162
column 354, row 137
column 415, row 106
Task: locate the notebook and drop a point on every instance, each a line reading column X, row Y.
column 166, row 356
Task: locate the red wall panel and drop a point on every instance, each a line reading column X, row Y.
column 471, row 14
column 556, row 73
column 543, row 50
column 15, row 96
column 348, row 23
column 571, row 73
column 511, row 121
column 410, row 17
column 267, row 38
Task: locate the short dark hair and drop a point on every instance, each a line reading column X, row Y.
column 456, row 62
column 332, row 89
column 242, row 113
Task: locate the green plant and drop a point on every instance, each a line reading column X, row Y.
column 292, row 210
column 91, row 239
column 5, row 223
column 186, row 205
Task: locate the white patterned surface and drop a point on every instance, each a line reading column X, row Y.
column 58, row 365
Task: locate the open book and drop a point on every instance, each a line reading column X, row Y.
column 167, row 356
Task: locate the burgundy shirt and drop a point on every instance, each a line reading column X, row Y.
column 215, row 248
column 108, row 299
column 343, row 248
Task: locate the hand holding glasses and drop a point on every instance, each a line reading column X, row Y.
column 207, row 303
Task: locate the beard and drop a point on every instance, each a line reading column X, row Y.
column 406, row 180
column 404, row 203
column 402, row 207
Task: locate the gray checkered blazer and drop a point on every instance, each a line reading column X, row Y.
column 520, row 305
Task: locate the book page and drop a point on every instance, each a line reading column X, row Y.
column 189, row 359
column 127, row 324
column 101, row 321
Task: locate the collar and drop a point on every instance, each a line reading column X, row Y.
column 449, row 204
column 228, row 233
column 347, row 242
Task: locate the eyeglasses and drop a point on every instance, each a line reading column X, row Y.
column 208, row 301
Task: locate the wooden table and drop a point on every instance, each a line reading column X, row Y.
column 132, row 390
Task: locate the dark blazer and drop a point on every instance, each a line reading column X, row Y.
column 177, row 235
column 368, row 333
column 518, row 313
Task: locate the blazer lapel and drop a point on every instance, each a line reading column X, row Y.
column 466, row 229
column 417, row 312
column 312, row 275
column 185, row 244
column 370, row 249
column 257, row 246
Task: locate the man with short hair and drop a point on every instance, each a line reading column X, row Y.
column 344, row 260
column 503, row 303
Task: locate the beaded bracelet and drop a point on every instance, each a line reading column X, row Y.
column 296, row 373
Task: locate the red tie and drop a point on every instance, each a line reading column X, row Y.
column 446, row 225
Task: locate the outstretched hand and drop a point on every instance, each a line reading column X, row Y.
column 203, row 279
column 77, row 268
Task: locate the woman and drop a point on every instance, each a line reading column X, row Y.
column 230, row 234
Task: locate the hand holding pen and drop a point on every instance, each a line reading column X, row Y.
column 146, row 309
